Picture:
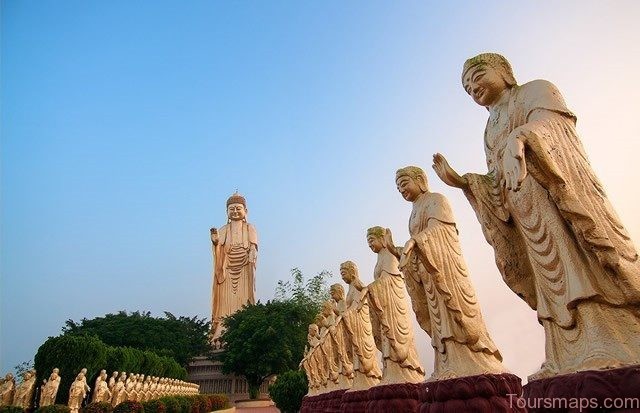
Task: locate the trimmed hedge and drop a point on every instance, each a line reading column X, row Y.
column 154, row 406
column 129, row 406
column 54, row 408
column 97, row 407
column 11, row 409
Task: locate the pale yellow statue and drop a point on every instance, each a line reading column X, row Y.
column 101, row 391
column 390, row 313
column 50, row 389
column 118, row 395
column 24, row 391
column 438, row 282
column 112, row 380
column 313, row 363
column 77, row 393
column 235, row 250
column 96, row 384
column 7, row 390
column 558, row 242
column 341, row 338
column 328, row 347
column 357, row 321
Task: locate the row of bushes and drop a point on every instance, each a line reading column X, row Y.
column 70, row 353
column 201, row 403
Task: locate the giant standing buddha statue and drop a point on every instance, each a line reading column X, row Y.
column 235, row 249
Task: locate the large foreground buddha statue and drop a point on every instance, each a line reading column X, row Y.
column 558, row 242
column 235, row 249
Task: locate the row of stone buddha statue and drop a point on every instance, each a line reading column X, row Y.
column 558, row 244
column 353, row 328
column 113, row 390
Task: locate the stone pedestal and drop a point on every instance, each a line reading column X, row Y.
column 485, row 393
column 323, row 403
column 354, row 401
column 616, row 390
column 208, row 374
column 400, row 398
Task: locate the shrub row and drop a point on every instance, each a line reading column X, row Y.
column 70, row 353
column 200, row 403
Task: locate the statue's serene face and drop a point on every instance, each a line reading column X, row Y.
column 408, row 188
column 484, row 84
column 375, row 243
column 236, row 212
column 346, row 275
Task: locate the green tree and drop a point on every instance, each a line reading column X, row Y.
column 266, row 339
column 311, row 293
column 288, row 390
column 181, row 338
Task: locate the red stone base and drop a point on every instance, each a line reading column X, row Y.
column 586, row 391
column 400, row 398
column 355, row 401
column 488, row 393
column 323, row 403
column 484, row 393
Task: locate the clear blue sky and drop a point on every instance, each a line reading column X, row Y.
column 126, row 125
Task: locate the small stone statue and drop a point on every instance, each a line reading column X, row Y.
column 50, row 389
column 392, row 325
column 443, row 297
column 558, row 242
column 341, row 338
column 357, row 321
column 77, row 393
column 24, row 391
column 7, row 390
column 101, row 392
column 235, row 250
column 96, row 384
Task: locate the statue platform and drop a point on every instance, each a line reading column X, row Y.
column 208, row 374
column 615, row 390
column 483, row 393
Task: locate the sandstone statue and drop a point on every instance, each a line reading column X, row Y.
column 24, row 391
column 50, row 389
column 340, row 336
column 101, row 392
column 438, row 282
column 357, row 321
column 558, row 242
column 7, row 390
column 235, row 250
column 390, row 314
column 77, row 393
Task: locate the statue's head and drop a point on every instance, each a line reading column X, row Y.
column 114, row 374
column 375, row 238
column 348, row 271
column 337, row 292
column 327, row 308
column 9, row 376
column 411, row 182
column 236, row 207
column 313, row 329
column 486, row 76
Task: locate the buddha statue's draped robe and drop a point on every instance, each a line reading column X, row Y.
column 558, row 242
column 392, row 324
